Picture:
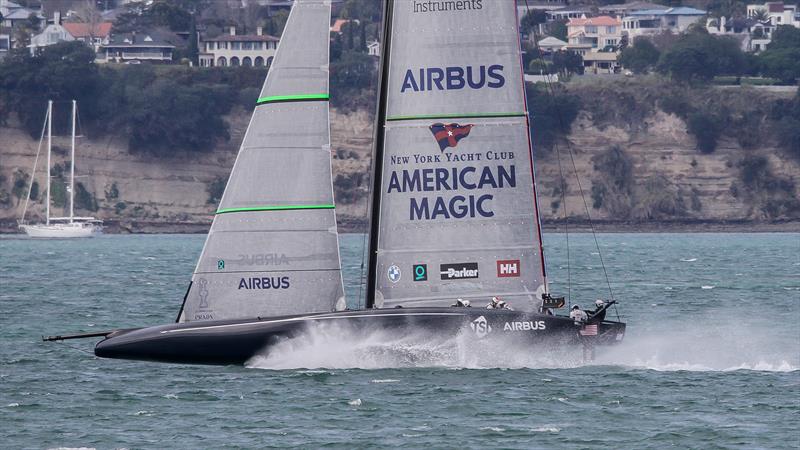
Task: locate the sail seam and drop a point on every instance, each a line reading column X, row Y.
column 454, row 116
column 293, row 98
column 273, row 208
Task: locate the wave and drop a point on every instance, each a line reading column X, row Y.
column 706, row 344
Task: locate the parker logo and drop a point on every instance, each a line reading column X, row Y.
column 481, row 327
column 458, row 271
column 508, row 268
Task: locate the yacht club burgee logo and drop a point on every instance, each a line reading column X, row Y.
column 449, row 135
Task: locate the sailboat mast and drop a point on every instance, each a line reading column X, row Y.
column 377, row 154
column 72, row 165
column 49, row 148
column 533, row 168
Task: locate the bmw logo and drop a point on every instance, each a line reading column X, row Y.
column 393, row 273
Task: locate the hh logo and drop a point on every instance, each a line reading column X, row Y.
column 508, row 268
column 480, row 326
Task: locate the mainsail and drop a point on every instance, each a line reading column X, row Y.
column 455, row 213
column 273, row 246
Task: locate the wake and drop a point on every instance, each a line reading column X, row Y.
column 727, row 346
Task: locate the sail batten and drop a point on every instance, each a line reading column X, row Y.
column 273, row 245
column 456, row 213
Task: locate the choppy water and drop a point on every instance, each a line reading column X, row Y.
column 711, row 359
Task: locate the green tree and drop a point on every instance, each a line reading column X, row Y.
column 781, row 60
column 706, row 129
column 640, row 57
column 59, row 72
column 698, row 56
column 567, row 62
column 532, row 19
column 551, row 115
column 558, row 29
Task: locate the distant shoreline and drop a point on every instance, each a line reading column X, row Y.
column 359, row 226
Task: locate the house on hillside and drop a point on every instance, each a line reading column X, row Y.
column 777, row 13
column 52, row 34
column 753, row 35
column 238, row 49
column 15, row 15
column 568, row 12
column 94, row 35
column 597, row 33
column 621, row 10
column 338, row 25
column 551, row 44
column 137, row 47
column 651, row 22
column 374, row 49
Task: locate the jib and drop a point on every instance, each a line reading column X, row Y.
column 452, row 78
column 264, row 283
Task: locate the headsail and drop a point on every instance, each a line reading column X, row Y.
column 457, row 213
column 273, row 246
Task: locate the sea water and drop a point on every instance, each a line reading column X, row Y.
column 711, row 358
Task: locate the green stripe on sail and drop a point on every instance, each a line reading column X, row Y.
column 292, row 98
column 454, row 116
column 273, row 208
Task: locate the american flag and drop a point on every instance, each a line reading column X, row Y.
column 589, row 330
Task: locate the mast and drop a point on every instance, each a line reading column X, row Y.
column 72, row 166
column 533, row 165
column 49, row 147
column 377, row 154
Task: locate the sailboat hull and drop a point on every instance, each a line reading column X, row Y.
column 236, row 341
column 62, row 230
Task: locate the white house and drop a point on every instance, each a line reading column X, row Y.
column 752, row 34
column 656, row 21
column 551, row 44
column 52, row 34
column 374, row 49
column 238, row 50
column 777, row 13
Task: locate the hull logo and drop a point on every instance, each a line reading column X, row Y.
column 393, row 273
column 508, row 268
column 420, row 272
column 481, row 327
column 525, row 326
column 458, row 271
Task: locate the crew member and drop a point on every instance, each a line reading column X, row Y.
column 461, row 303
column 578, row 315
column 599, row 314
column 496, row 303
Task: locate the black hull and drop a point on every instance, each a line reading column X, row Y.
column 236, row 341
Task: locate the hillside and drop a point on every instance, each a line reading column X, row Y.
column 641, row 173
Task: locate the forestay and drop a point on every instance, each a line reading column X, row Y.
column 273, row 247
column 458, row 214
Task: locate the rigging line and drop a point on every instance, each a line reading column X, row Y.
column 33, row 172
column 549, row 84
column 561, row 175
column 77, row 348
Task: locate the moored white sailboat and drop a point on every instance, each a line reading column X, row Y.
column 454, row 205
column 59, row 227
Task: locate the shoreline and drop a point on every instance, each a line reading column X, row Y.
column 348, row 225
